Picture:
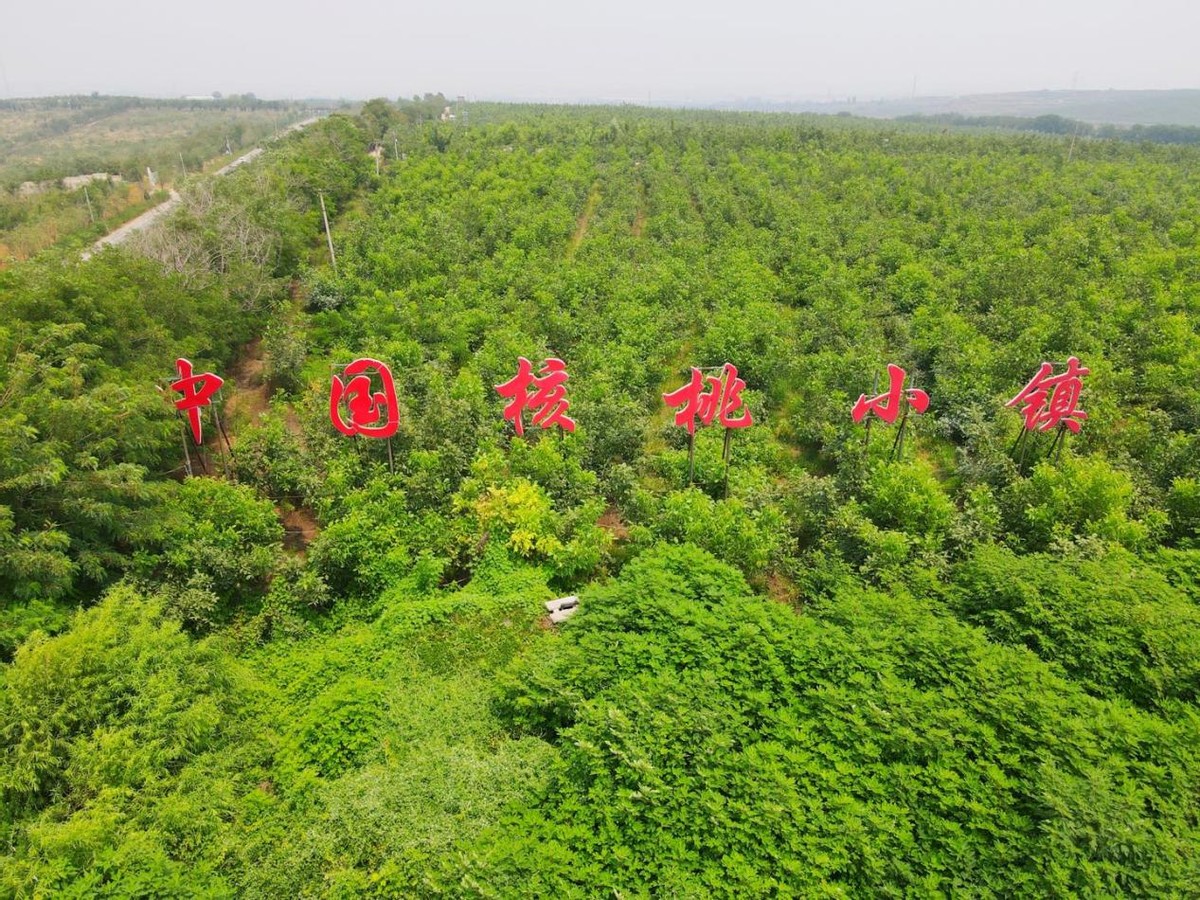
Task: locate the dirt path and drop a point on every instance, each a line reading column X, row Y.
column 639, row 223
column 141, row 223
column 581, row 227
column 250, row 396
column 299, row 529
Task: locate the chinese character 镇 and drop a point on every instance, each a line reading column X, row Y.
column 197, row 391
column 1050, row 400
column 721, row 400
column 545, row 395
column 887, row 405
column 373, row 414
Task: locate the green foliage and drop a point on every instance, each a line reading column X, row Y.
column 1084, row 497
column 113, row 703
column 285, row 350
column 337, row 732
column 82, row 425
column 716, row 744
column 271, row 458
column 1183, row 510
column 1114, row 624
column 726, row 528
column 216, row 550
column 909, row 498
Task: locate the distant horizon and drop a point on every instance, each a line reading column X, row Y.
column 599, row 100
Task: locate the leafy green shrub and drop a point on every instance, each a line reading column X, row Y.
column 271, row 457
column 218, row 548
column 726, row 528
column 1112, row 623
column 1183, row 508
column 366, row 549
column 715, row 744
column 340, row 730
column 909, row 498
column 284, row 351
column 1079, row 496
column 116, row 701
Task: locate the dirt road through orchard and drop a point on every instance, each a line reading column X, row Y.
column 150, row 216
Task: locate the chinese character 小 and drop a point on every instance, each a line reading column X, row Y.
column 887, row 405
column 545, row 395
column 197, row 391
column 373, row 414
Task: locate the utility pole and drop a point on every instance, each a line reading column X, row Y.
column 328, row 236
column 181, row 165
column 91, row 215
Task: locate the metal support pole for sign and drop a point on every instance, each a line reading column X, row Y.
column 898, row 442
column 726, row 453
column 200, row 458
column 221, row 428
column 328, row 236
column 1059, row 439
column 187, row 456
column 874, row 393
column 691, row 458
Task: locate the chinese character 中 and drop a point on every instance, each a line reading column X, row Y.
column 197, row 391
column 1051, row 400
column 545, row 395
column 721, row 400
column 887, row 405
column 373, row 414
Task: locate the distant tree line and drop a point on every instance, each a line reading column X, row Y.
column 109, row 105
column 1052, row 124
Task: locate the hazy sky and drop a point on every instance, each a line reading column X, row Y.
column 663, row 50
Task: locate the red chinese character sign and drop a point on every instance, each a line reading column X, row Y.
column 708, row 397
column 1050, row 400
column 543, row 394
column 889, row 405
column 197, row 391
column 372, row 413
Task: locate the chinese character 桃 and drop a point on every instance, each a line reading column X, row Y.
column 706, row 398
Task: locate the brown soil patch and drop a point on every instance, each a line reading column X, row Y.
column 299, row 529
column 250, row 396
column 611, row 522
column 781, row 589
column 292, row 421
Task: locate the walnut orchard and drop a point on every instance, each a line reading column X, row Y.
column 357, row 407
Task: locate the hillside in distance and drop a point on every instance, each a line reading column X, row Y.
column 73, row 168
column 1115, row 107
